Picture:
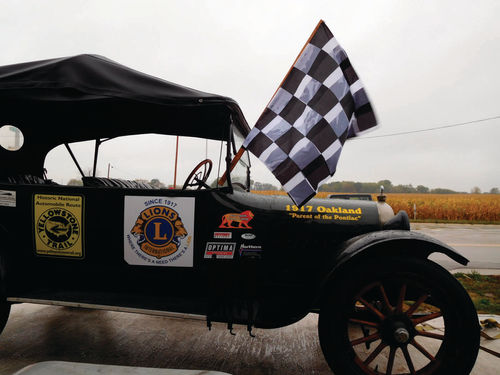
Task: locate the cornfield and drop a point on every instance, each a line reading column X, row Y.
column 453, row 207
column 446, row 207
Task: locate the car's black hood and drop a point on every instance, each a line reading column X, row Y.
column 333, row 211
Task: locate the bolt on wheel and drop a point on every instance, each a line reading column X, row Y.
column 388, row 335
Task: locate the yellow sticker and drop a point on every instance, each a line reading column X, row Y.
column 324, row 213
column 58, row 225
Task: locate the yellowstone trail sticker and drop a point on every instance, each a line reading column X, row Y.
column 58, row 225
column 159, row 231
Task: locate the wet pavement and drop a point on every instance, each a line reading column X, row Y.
column 38, row 333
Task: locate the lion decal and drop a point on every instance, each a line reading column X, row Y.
column 158, row 231
column 242, row 219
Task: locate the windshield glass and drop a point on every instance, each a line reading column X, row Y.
column 239, row 172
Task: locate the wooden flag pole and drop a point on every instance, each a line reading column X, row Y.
column 235, row 160
column 240, row 152
column 300, row 53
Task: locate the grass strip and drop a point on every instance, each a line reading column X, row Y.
column 484, row 291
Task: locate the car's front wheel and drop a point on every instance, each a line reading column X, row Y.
column 402, row 316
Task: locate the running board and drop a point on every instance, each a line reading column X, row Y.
column 108, row 308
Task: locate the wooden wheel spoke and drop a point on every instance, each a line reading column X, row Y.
column 401, row 299
column 370, row 338
column 364, row 322
column 375, row 353
column 385, row 298
column 408, row 360
column 417, row 304
column 427, row 317
column 390, row 361
column 422, row 350
column 431, row 335
column 372, row 308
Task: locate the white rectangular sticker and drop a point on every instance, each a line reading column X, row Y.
column 159, row 231
column 220, row 250
column 223, row 235
column 8, row 198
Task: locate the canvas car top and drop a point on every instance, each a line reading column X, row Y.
column 86, row 97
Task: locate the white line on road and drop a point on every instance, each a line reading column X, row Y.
column 475, row 244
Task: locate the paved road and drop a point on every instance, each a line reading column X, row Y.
column 39, row 333
column 478, row 243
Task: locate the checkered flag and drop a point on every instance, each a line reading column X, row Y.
column 320, row 104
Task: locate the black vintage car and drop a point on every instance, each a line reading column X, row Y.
column 217, row 251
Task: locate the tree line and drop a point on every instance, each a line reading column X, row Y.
column 374, row 187
column 338, row 187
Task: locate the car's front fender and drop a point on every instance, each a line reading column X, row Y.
column 376, row 246
column 395, row 242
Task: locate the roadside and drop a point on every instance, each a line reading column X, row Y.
column 484, row 290
column 480, row 243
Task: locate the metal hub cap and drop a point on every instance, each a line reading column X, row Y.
column 401, row 335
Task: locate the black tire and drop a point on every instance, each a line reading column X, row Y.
column 361, row 337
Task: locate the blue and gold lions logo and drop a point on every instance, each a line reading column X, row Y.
column 158, row 231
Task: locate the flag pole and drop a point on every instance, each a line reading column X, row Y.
column 175, row 168
column 240, row 152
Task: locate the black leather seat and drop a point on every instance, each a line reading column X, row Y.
column 115, row 182
column 27, row 179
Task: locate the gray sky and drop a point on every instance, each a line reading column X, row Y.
column 423, row 63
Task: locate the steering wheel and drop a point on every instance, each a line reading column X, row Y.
column 198, row 178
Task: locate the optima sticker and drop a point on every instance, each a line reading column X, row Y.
column 220, row 250
column 159, row 231
column 58, row 225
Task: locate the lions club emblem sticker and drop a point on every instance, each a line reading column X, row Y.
column 159, row 231
column 58, row 225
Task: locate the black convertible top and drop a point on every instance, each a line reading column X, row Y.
column 86, row 97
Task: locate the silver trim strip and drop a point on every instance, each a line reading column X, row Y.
column 108, row 308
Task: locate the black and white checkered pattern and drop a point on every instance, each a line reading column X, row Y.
column 320, row 104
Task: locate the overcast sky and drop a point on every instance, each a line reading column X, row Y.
column 423, row 63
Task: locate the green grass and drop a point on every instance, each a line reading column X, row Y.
column 484, row 291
